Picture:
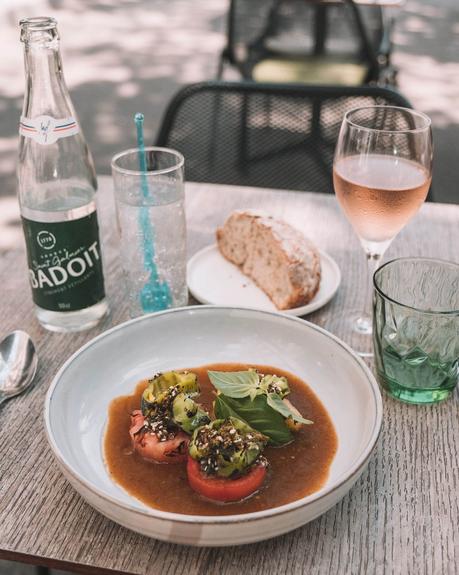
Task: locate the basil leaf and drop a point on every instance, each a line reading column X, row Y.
column 275, row 401
column 235, row 383
column 258, row 414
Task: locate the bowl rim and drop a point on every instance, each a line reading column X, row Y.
column 152, row 513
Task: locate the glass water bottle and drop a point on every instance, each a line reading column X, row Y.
column 57, row 186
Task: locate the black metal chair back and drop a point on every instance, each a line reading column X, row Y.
column 265, row 135
column 291, row 29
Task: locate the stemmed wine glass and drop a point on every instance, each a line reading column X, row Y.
column 382, row 172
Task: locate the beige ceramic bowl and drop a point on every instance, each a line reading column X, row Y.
column 112, row 363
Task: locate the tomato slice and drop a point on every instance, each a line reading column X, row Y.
column 225, row 489
column 149, row 447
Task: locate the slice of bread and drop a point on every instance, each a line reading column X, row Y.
column 276, row 256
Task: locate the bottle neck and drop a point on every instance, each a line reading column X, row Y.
column 46, row 92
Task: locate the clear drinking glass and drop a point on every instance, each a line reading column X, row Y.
column 416, row 328
column 382, row 172
column 151, row 222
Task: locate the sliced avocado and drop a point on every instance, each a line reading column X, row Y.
column 158, row 387
column 187, row 413
column 275, row 384
column 226, row 447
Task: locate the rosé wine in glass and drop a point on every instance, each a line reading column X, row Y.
column 379, row 194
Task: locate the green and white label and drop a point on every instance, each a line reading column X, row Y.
column 65, row 264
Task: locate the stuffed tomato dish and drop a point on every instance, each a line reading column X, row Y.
column 219, row 439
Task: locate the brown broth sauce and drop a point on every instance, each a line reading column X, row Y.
column 296, row 470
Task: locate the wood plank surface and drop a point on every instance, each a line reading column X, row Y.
column 402, row 515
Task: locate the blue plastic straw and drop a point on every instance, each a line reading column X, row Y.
column 139, row 118
column 155, row 295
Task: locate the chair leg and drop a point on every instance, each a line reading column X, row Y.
column 220, row 69
column 320, row 29
column 221, row 64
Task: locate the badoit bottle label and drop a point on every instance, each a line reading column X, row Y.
column 46, row 130
column 65, row 263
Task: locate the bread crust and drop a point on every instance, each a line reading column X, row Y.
column 276, row 256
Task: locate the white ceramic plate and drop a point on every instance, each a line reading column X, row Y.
column 214, row 280
column 111, row 364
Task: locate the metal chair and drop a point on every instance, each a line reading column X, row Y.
column 265, row 135
column 309, row 41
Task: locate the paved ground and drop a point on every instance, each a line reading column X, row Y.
column 120, row 57
column 131, row 55
column 427, row 53
column 125, row 56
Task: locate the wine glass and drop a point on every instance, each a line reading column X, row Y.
column 382, row 172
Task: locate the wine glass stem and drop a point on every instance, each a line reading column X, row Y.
column 364, row 322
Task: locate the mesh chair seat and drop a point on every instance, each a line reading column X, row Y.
column 266, row 135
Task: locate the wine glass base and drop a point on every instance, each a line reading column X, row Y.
column 355, row 330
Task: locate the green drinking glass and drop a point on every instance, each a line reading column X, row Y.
column 416, row 328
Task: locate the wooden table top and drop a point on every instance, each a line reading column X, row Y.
column 401, row 517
